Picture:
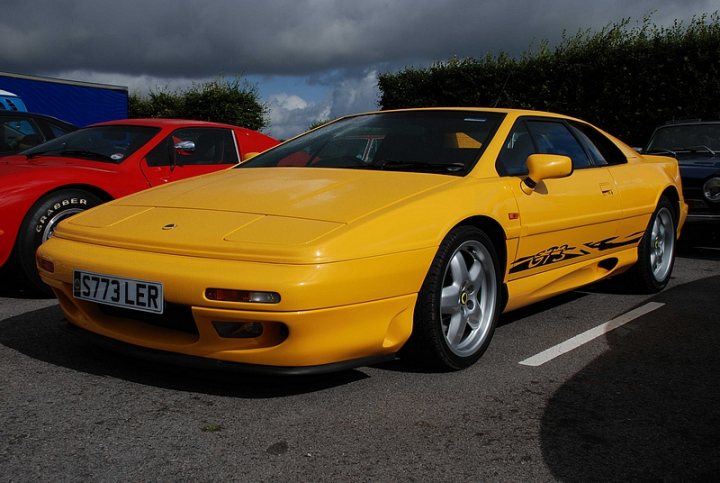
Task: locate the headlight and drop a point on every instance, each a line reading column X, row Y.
column 711, row 189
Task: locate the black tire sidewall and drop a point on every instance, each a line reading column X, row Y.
column 34, row 224
column 644, row 278
column 427, row 343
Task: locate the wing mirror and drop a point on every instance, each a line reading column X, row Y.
column 185, row 146
column 545, row 166
column 180, row 148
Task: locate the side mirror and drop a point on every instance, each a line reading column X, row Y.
column 180, row 148
column 545, row 166
column 185, row 147
column 250, row 155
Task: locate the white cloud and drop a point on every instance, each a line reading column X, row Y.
column 136, row 84
column 353, row 95
column 288, row 113
column 288, row 102
column 291, row 114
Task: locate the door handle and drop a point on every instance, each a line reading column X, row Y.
column 606, row 189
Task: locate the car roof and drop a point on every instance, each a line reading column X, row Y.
column 500, row 110
column 474, row 109
column 35, row 115
column 162, row 122
column 689, row 123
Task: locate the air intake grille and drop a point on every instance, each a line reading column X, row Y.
column 174, row 317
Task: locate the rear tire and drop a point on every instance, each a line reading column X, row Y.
column 38, row 226
column 459, row 303
column 656, row 252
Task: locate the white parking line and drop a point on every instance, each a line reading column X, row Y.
column 587, row 336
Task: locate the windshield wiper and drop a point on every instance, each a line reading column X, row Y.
column 699, row 147
column 434, row 167
column 83, row 153
column 661, row 150
column 682, row 149
column 39, row 153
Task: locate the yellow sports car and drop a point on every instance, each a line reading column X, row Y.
column 395, row 232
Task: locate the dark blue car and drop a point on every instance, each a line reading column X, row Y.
column 23, row 130
column 696, row 146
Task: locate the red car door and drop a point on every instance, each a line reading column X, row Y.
column 190, row 152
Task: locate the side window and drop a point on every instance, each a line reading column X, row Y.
column 518, row 146
column 602, row 149
column 160, row 154
column 57, row 130
column 555, row 138
column 19, row 134
column 211, row 146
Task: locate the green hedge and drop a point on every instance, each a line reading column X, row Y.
column 624, row 79
column 221, row 100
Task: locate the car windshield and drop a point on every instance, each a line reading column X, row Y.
column 110, row 144
column 686, row 137
column 444, row 142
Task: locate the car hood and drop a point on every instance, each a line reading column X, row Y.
column 270, row 214
column 698, row 165
column 18, row 163
column 22, row 160
column 13, row 159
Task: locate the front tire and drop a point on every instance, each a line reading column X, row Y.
column 459, row 303
column 38, row 226
column 656, row 252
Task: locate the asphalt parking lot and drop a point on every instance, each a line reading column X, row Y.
column 639, row 402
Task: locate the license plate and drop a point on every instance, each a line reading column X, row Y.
column 128, row 293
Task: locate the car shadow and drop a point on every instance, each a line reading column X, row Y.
column 10, row 289
column 42, row 335
column 539, row 307
column 647, row 409
column 700, row 241
column 421, row 366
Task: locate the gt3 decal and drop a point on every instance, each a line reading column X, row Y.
column 609, row 243
column 546, row 257
column 561, row 253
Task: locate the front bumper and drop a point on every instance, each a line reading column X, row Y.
column 195, row 362
column 339, row 313
column 701, row 211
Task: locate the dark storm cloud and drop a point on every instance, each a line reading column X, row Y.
column 335, row 48
column 201, row 38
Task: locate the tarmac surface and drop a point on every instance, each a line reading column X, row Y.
column 638, row 403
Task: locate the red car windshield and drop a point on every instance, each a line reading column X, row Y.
column 111, row 144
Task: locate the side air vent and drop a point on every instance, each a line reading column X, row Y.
column 608, row 264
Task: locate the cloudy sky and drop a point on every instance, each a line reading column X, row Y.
column 309, row 59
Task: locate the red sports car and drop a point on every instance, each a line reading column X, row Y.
column 101, row 162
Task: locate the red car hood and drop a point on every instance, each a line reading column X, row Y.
column 19, row 162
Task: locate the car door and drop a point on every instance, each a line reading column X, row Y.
column 562, row 220
column 190, row 152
